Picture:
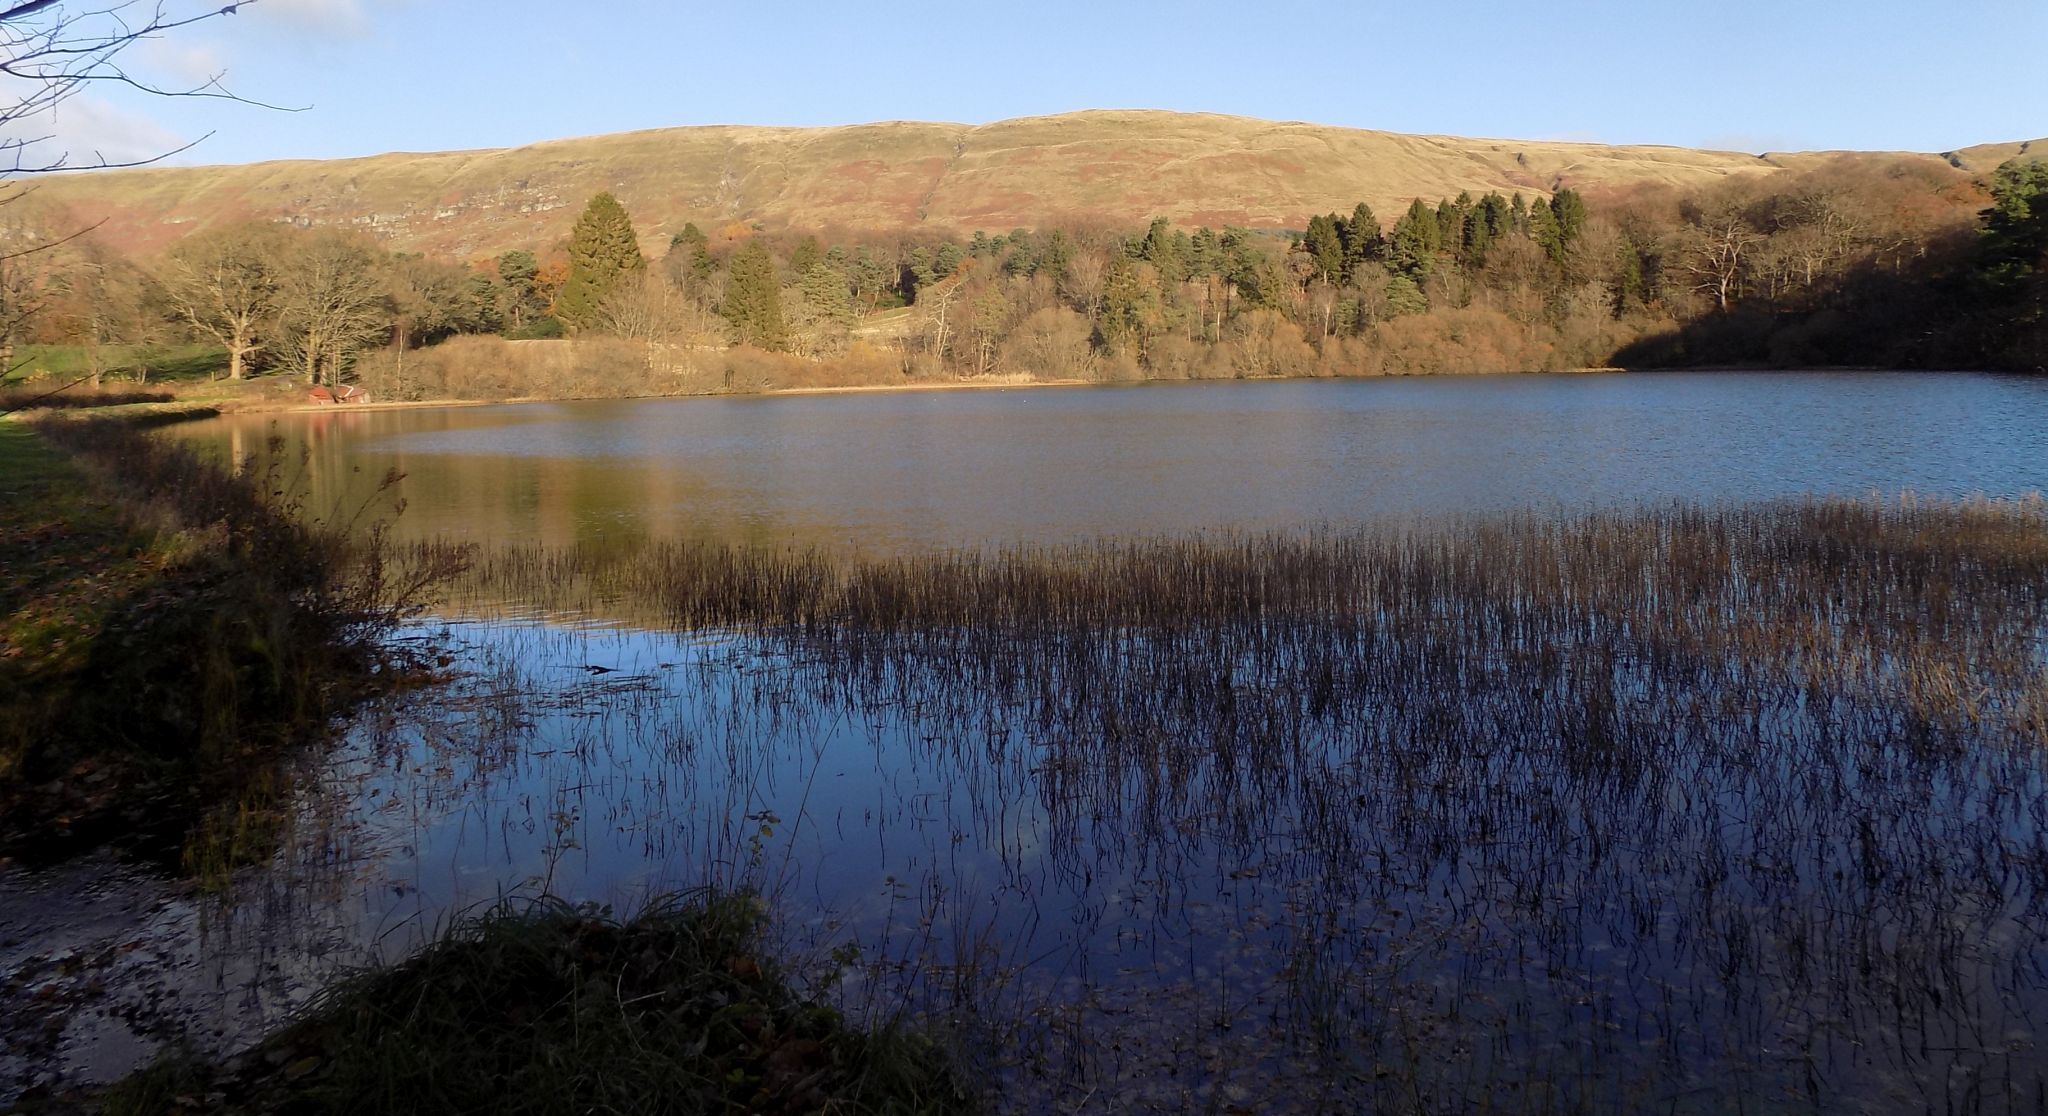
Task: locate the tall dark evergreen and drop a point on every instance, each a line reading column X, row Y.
column 1412, row 248
column 753, row 299
column 1324, row 247
column 2013, row 246
column 1570, row 211
column 1167, row 249
column 1450, row 224
column 1404, row 297
column 805, row 256
column 1499, row 219
column 1544, row 230
column 1363, row 241
column 1205, row 256
column 602, row 251
column 690, row 254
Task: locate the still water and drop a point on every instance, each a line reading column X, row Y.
column 1520, row 865
column 896, row 471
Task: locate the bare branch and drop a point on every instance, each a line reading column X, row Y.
column 53, row 52
column 49, row 244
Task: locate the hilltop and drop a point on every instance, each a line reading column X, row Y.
column 1119, row 166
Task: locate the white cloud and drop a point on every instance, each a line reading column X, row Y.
column 85, row 131
column 327, row 17
column 182, row 65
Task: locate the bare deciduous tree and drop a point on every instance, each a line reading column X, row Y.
column 1717, row 251
column 331, row 303
column 935, row 305
column 225, row 284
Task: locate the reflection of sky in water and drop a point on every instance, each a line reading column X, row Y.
column 913, row 469
column 933, row 822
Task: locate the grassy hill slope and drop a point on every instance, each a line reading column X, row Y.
column 1120, row 166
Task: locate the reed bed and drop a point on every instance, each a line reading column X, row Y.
column 1680, row 808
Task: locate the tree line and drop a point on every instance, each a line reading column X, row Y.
column 1863, row 260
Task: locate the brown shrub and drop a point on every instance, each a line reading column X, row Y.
column 1468, row 340
column 571, row 368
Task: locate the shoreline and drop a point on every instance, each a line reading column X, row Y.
column 216, row 407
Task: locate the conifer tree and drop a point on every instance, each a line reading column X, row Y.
column 1404, row 297
column 805, row 256
column 1478, row 236
column 1450, row 227
column 2013, row 239
column 1570, row 210
column 1363, row 240
column 1412, row 249
column 1167, row 250
column 1493, row 209
column 1324, row 247
column 1544, row 231
column 602, row 251
column 753, row 299
column 828, row 294
column 1206, row 256
column 1124, row 306
column 697, row 263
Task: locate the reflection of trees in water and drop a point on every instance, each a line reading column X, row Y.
column 504, row 492
column 1673, row 808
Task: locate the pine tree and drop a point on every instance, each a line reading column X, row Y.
column 1412, row 249
column 805, row 256
column 1165, row 249
column 1324, row 247
column 1206, row 254
column 1404, row 297
column 1544, row 231
column 1570, row 210
column 1363, row 240
column 753, row 299
column 1493, row 209
column 2012, row 246
column 826, row 290
column 602, row 251
column 697, row 263
column 1450, row 226
column 1478, row 237
column 1125, row 303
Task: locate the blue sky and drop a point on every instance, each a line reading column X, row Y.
column 382, row 75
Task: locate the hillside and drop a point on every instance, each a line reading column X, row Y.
column 1124, row 166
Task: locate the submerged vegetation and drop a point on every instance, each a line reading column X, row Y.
column 547, row 1008
column 1685, row 808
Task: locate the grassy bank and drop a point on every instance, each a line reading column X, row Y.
column 169, row 632
column 132, row 365
column 552, row 1009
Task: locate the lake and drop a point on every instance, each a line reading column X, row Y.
column 1652, row 809
column 896, row 471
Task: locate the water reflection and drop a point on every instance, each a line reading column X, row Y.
column 1684, row 812
column 1497, row 818
column 915, row 470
